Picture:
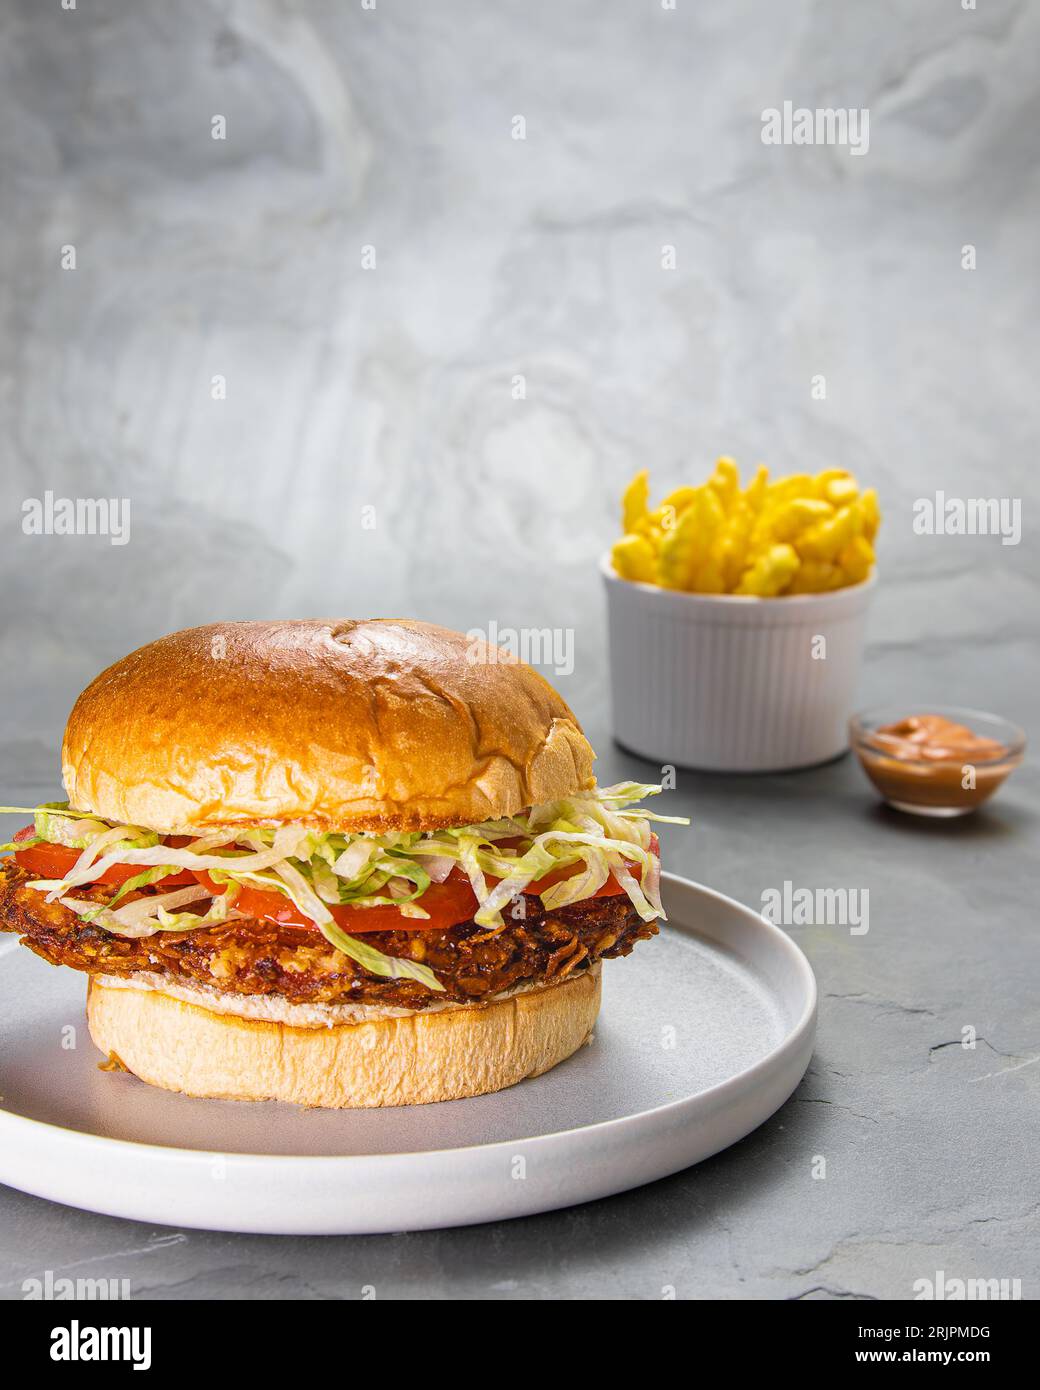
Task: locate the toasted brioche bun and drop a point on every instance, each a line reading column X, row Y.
column 414, row 1060
column 370, row 725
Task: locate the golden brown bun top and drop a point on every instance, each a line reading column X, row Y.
column 355, row 725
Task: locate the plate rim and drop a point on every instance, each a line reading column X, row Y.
column 794, row 1036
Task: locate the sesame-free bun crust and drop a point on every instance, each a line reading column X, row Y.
column 340, row 725
column 423, row 1057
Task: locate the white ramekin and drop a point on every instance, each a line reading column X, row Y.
column 733, row 684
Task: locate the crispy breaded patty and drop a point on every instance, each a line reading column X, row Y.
column 252, row 956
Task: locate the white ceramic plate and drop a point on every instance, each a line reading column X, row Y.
column 704, row 1033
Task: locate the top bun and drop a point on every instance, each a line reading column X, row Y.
column 367, row 725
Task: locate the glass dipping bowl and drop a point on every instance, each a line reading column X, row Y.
column 935, row 787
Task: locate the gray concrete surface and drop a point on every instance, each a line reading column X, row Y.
column 391, row 388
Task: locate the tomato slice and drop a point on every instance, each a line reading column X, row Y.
column 447, row 903
column 55, row 861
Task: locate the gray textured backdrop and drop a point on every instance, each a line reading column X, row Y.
column 391, row 388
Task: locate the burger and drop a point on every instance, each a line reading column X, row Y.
column 338, row 864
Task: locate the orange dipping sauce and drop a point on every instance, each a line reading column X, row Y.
column 934, row 738
column 934, row 765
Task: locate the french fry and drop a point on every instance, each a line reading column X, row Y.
column 651, row 523
column 732, row 547
column 836, row 486
column 708, row 518
column 676, row 556
column 784, row 489
column 680, row 499
column 634, row 500
column 871, row 514
column 708, row 577
column 798, row 515
column 816, row 577
column 827, row 539
column 826, row 476
column 633, row 558
column 755, row 494
column 856, row 560
column 725, row 481
column 841, row 492
column 772, row 571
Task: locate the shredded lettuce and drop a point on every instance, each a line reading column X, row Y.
column 593, row 834
column 143, row 880
column 77, row 833
column 13, row 845
column 146, row 916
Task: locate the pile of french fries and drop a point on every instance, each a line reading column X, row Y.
column 795, row 535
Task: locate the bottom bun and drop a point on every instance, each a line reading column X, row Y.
column 423, row 1057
